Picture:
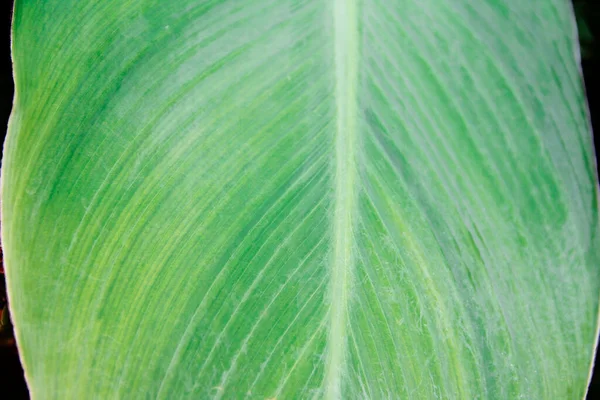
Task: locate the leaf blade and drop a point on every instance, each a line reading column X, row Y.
column 241, row 183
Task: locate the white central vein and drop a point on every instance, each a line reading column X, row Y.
column 345, row 15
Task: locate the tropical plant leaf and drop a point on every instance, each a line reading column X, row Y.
column 300, row 198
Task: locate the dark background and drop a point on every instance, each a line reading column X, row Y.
column 12, row 384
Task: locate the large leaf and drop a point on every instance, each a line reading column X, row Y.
column 301, row 198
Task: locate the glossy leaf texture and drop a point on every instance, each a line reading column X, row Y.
column 277, row 199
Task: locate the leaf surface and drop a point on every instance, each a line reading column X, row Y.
column 274, row 199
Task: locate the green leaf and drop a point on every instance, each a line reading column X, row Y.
column 276, row 199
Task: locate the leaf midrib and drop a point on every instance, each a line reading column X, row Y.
column 345, row 20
